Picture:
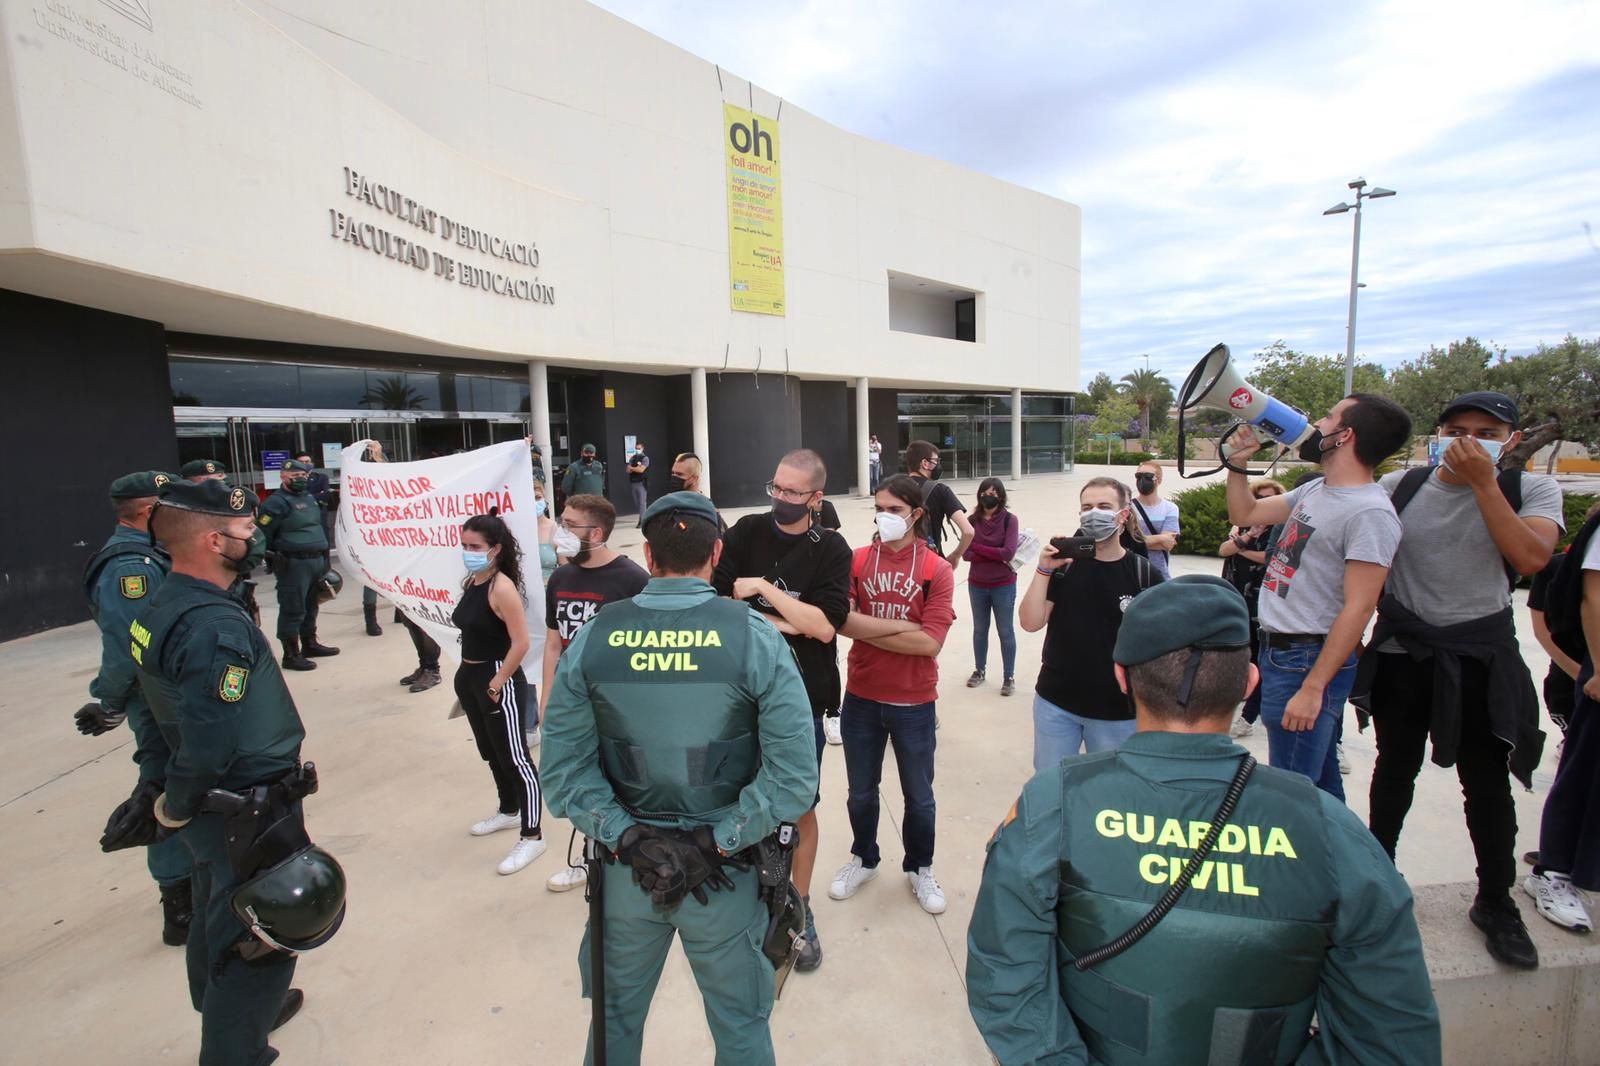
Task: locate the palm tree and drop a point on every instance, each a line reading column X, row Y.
column 1150, row 391
column 392, row 394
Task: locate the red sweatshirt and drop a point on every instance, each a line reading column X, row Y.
column 915, row 584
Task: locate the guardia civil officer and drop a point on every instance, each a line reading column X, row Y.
column 292, row 523
column 679, row 734
column 243, row 588
column 1295, row 911
column 218, row 697
column 121, row 578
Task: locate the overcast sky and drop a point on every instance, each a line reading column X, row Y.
column 1203, row 143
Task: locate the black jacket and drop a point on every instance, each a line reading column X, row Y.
column 1513, row 704
column 1563, row 611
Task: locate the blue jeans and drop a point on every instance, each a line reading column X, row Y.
column 1058, row 734
column 1309, row 751
column 867, row 727
column 1003, row 602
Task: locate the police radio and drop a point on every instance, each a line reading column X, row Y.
column 1216, row 383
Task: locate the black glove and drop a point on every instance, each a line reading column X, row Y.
column 670, row 864
column 94, row 719
column 133, row 824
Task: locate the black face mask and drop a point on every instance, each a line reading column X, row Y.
column 1146, row 483
column 241, row 564
column 587, row 460
column 989, row 502
column 785, row 513
column 676, row 483
column 933, row 475
column 1315, row 446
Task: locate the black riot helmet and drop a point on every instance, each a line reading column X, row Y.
column 329, row 585
column 295, row 905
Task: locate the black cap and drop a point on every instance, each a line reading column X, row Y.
column 138, row 485
column 680, row 505
column 1192, row 611
column 202, row 468
column 209, row 497
column 1497, row 404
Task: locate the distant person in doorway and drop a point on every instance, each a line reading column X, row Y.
column 586, row 477
column 638, row 468
column 940, row 504
column 369, row 595
column 992, row 584
column 874, row 462
column 1157, row 519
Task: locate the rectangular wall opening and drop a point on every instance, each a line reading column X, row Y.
column 934, row 308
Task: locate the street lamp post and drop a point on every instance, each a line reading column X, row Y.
column 1377, row 193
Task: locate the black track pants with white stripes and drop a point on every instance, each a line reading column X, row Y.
column 498, row 729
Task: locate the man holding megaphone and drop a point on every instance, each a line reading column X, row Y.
column 1324, row 577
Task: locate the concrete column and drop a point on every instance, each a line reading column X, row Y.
column 863, row 457
column 1016, row 433
column 702, row 434
column 539, row 407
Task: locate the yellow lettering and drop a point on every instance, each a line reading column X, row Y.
column 1239, row 886
column 1222, row 877
column 1202, row 876
column 652, row 639
column 138, row 653
column 1197, row 833
column 1172, row 835
column 1255, row 839
column 1231, row 839
column 1278, row 844
column 669, row 639
column 1150, row 868
column 616, row 638
column 1141, row 828
column 1108, row 824
column 686, row 638
column 710, row 639
column 639, row 661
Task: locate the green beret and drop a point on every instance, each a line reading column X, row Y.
column 681, row 505
column 290, row 465
column 587, row 449
column 139, row 485
column 1193, row 611
column 202, row 468
column 209, row 497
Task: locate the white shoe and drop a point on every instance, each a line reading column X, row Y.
column 1344, row 760
column 1241, row 728
column 565, row 880
column 534, row 737
column 1558, row 901
column 496, row 822
column 522, row 853
column 927, row 890
column 851, row 876
column 830, row 729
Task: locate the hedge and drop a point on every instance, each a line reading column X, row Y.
column 1117, row 458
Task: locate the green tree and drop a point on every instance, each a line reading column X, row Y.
column 1312, row 383
column 1150, row 392
column 1113, row 417
column 392, row 394
column 1101, row 388
column 1424, row 386
column 1558, row 393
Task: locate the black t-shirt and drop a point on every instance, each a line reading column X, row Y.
column 1539, row 591
column 1089, row 596
column 638, row 475
column 941, row 503
column 827, row 517
column 815, row 568
column 574, row 594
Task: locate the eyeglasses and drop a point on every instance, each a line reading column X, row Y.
column 789, row 495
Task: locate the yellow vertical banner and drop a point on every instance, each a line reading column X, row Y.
column 755, row 211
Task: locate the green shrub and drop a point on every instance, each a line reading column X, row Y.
column 1576, row 506
column 1117, row 458
column 1203, row 514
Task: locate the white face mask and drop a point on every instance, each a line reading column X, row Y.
column 891, row 527
column 565, row 542
column 1439, row 445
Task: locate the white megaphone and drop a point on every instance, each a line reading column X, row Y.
column 1215, row 383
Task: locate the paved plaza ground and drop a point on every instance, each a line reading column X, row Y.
column 442, row 960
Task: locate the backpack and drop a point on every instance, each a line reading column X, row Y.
column 1563, row 602
column 1510, row 482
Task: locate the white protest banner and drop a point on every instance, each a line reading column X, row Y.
column 399, row 532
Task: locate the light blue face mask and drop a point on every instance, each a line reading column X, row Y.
column 475, row 562
column 538, row 507
column 1439, row 445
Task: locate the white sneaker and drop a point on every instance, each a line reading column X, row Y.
column 851, row 876
column 524, row 851
column 567, row 878
column 830, row 729
column 1241, row 728
column 1558, row 901
column 927, row 890
column 1344, row 760
column 496, row 822
column 534, row 737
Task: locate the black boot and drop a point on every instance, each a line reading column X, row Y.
column 293, row 1000
column 292, row 659
column 177, row 910
column 426, row 679
column 314, row 648
column 1504, row 934
column 371, row 613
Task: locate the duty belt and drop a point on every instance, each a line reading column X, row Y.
column 263, row 824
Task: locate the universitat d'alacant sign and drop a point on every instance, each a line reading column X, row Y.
column 504, row 251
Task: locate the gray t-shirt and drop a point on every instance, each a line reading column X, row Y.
column 1447, row 569
column 1164, row 519
column 1303, row 589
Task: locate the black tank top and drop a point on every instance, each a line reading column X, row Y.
column 483, row 636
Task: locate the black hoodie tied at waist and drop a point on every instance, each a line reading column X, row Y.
column 1511, row 700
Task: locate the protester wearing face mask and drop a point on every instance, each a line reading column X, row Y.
column 592, row 576
column 1077, row 705
column 1323, row 577
column 586, row 477
column 687, row 473
column 291, row 521
column 490, row 683
column 940, row 503
column 991, row 583
column 1444, row 659
column 901, row 594
column 548, row 552
column 1155, row 519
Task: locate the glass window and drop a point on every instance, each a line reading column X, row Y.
column 395, row 392
column 332, row 387
column 218, row 383
column 1044, row 405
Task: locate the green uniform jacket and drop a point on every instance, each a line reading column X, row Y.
column 214, row 686
column 292, row 522
column 582, row 480
column 125, row 583
column 1373, row 998
column 784, row 787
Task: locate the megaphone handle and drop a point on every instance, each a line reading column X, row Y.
column 1227, row 460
